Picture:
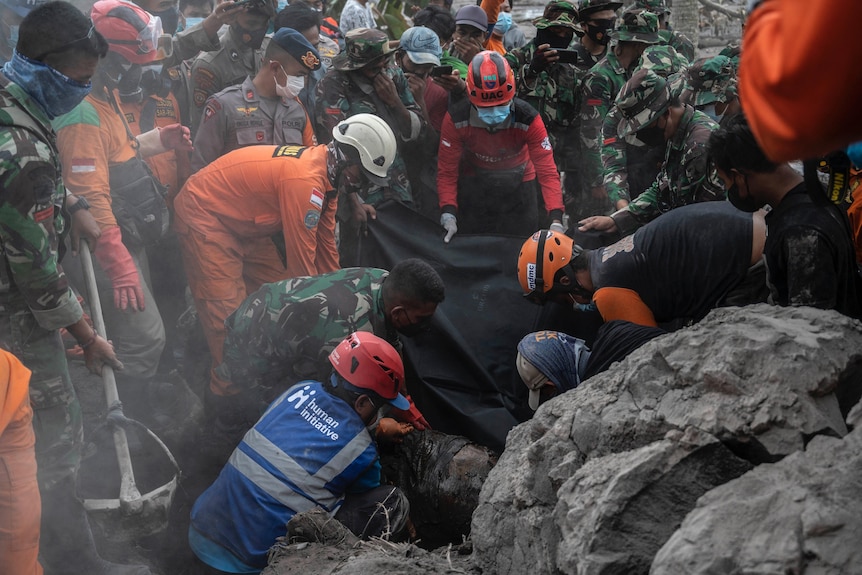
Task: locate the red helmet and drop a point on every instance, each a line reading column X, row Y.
column 490, row 81
column 371, row 363
column 131, row 31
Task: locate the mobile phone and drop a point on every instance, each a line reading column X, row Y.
column 567, row 56
column 441, row 70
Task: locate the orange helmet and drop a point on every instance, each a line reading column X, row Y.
column 543, row 255
column 131, row 31
column 490, row 81
column 370, row 363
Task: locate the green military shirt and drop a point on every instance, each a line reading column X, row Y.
column 31, row 197
column 554, row 92
column 283, row 333
column 687, row 176
column 599, row 89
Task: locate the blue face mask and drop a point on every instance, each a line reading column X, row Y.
column 494, row 115
column 55, row 93
column 710, row 111
column 189, row 23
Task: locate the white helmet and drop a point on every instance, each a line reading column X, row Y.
column 373, row 139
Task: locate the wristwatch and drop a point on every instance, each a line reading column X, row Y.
column 81, row 204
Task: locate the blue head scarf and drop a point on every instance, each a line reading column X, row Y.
column 559, row 356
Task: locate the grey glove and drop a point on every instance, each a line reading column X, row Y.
column 558, row 227
column 450, row 224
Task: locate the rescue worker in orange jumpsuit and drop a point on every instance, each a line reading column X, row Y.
column 286, row 193
column 20, row 504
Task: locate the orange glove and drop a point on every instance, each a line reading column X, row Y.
column 118, row 265
column 391, row 430
column 412, row 416
column 176, row 137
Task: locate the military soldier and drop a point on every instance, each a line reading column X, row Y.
column 597, row 19
column 630, row 166
column 264, row 109
column 552, row 88
column 599, row 88
column 283, row 333
column 49, row 74
column 239, row 56
column 668, row 37
column 711, row 88
column 362, row 80
column 649, row 107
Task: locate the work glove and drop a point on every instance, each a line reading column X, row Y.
column 117, row 263
column 390, row 430
column 450, row 224
column 412, row 415
column 176, row 137
column 558, row 227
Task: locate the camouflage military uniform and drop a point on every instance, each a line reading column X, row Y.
column 628, row 163
column 554, row 92
column 676, row 40
column 686, row 175
column 599, row 89
column 35, row 299
column 283, row 333
column 710, row 80
column 214, row 71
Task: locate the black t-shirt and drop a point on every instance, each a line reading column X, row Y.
column 682, row 263
column 809, row 254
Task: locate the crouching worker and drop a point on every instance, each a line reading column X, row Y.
column 312, row 448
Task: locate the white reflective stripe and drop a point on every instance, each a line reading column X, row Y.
column 275, row 456
column 269, row 484
column 344, row 457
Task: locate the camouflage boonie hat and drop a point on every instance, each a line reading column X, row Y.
column 733, row 51
column 590, row 7
column 563, row 20
column 657, row 7
column 559, row 6
column 637, row 26
column 711, row 80
column 644, row 98
column 362, row 46
column 662, row 59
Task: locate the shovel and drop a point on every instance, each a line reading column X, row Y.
column 132, row 514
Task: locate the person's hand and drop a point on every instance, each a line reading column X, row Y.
column 557, row 226
column 543, row 58
column 118, row 265
column 621, row 204
column 394, row 431
column 176, row 137
column 450, row 224
column 84, row 226
column 417, row 87
column 466, row 48
column 451, row 82
column 100, row 352
column 386, row 90
column 225, row 13
column 412, row 416
column 598, row 223
column 362, row 212
column 598, row 192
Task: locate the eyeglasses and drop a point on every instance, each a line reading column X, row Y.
column 91, row 33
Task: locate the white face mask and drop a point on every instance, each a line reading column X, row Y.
column 292, row 86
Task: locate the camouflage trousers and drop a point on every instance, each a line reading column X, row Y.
column 57, row 419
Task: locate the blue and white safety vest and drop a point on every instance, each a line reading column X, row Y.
column 303, row 453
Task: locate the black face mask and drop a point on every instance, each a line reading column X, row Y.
column 129, row 85
column 250, row 38
column 170, row 19
column 557, row 42
column 652, row 136
column 414, row 329
column 748, row 204
column 598, row 32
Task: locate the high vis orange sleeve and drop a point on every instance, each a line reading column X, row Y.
column 621, row 303
column 799, row 77
column 14, row 385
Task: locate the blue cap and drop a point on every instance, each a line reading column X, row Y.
column 422, row 45
column 297, row 46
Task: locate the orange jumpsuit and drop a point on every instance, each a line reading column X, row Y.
column 20, row 503
column 799, row 77
column 226, row 209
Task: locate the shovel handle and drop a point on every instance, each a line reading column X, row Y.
column 130, row 497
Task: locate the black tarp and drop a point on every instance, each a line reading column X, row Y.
column 462, row 373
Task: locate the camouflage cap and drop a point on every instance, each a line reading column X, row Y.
column 657, row 7
column 637, row 26
column 644, row 98
column 662, row 59
column 733, row 51
column 560, row 7
column 711, row 80
column 590, row 7
column 362, row 46
column 563, row 21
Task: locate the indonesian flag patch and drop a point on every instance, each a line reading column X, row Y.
column 316, row 198
column 83, row 165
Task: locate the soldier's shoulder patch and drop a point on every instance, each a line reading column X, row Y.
column 311, row 218
column 174, row 73
column 212, row 109
column 44, row 214
column 288, row 151
column 200, row 97
column 546, row 143
column 204, row 78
